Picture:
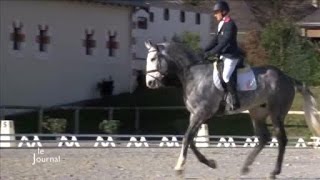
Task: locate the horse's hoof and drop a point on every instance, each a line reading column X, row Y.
column 274, row 173
column 212, row 163
column 179, row 172
column 272, row 176
column 245, row 170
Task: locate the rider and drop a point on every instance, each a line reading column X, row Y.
column 224, row 45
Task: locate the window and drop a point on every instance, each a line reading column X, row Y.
column 89, row 43
column 198, row 18
column 182, row 16
column 43, row 39
column 151, row 16
column 112, row 44
column 17, row 36
column 166, row 14
column 142, row 23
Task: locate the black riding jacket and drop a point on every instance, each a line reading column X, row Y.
column 224, row 42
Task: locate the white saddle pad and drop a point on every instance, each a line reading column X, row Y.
column 246, row 79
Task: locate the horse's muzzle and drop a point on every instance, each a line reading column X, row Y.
column 153, row 84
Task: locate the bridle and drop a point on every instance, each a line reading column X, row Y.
column 158, row 68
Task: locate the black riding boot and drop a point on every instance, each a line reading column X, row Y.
column 231, row 88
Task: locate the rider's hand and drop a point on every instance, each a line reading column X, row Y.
column 207, row 55
column 210, row 57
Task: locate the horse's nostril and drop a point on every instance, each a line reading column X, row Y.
column 150, row 83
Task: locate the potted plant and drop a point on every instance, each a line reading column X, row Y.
column 105, row 87
column 55, row 125
column 109, row 126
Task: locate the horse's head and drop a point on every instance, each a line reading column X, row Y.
column 157, row 65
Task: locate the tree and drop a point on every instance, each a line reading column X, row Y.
column 293, row 54
column 266, row 11
column 192, row 2
column 190, row 39
column 255, row 53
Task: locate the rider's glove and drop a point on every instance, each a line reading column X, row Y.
column 207, row 55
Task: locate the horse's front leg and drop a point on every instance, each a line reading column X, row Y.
column 194, row 124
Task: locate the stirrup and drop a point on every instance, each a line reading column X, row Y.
column 235, row 103
column 235, row 107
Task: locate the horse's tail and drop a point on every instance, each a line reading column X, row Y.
column 309, row 107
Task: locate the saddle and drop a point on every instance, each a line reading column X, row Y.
column 220, row 67
column 244, row 79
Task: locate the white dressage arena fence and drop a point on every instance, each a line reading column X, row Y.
column 8, row 138
column 145, row 141
column 7, row 127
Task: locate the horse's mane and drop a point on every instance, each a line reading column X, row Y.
column 183, row 54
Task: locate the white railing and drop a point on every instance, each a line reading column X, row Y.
column 142, row 141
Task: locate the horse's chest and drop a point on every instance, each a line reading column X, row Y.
column 195, row 103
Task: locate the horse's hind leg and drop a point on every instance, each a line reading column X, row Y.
column 279, row 107
column 258, row 117
column 277, row 121
column 209, row 162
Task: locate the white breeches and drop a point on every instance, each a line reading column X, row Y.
column 228, row 67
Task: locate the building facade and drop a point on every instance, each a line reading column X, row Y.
column 159, row 22
column 310, row 26
column 55, row 52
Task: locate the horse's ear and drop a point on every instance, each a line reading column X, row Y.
column 162, row 47
column 148, row 44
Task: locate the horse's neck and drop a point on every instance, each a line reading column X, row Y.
column 198, row 69
column 198, row 85
column 196, row 73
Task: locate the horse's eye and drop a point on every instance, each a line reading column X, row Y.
column 153, row 59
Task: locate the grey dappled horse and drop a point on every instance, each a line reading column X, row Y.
column 273, row 97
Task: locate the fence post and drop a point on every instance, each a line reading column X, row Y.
column 110, row 114
column 2, row 116
column 40, row 119
column 76, row 120
column 137, row 120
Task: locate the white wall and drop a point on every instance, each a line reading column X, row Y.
column 159, row 29
column 64, row 74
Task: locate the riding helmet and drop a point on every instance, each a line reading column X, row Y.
column 221, row 6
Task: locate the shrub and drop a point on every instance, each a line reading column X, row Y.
column 190, row 39
column 109, row 126
column 55, row 125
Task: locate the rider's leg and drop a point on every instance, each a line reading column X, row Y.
column 231, row 87
column 230, row 79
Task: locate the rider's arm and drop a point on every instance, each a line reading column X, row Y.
column 227, row 35
column 212, row 43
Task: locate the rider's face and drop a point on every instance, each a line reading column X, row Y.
column 218, row 15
